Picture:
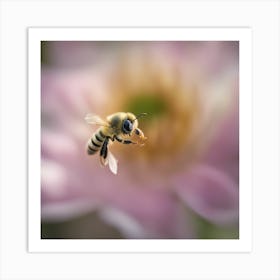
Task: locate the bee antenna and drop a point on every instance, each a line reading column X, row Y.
column 140, row 115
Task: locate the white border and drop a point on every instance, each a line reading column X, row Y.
column 263, row 16
column 243, row 35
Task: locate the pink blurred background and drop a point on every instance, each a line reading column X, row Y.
column 184, row 183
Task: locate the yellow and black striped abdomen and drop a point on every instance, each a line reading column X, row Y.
column 95, row 142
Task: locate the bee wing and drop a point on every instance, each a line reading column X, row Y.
column 94, row 119
column 113, row 162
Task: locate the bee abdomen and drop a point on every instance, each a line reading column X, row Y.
column 95, row 143
column 92, row 147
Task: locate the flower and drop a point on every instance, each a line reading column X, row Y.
column 188, row 168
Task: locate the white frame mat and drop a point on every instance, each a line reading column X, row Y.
column 36, row 35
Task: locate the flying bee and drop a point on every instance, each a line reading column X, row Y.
column 119, row 126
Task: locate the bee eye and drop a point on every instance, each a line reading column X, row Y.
column 127, row 126
column 137, row 132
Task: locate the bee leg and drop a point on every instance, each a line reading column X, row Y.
column 128, row 142
column 124, row 141
column 104, row 148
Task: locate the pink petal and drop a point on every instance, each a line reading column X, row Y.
column 58, row 145
column 53, row 179
column 155, row 213
column 63, row 210
column 210, row 193
column 223, row 149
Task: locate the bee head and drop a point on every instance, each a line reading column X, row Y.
column 127, row 126
column 131, row 122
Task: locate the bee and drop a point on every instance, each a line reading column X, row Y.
column 119, row 126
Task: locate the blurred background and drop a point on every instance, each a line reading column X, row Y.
column 184, row 183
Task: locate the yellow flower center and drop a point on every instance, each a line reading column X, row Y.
column 169, row 126
column 147, row 102
column 173, row 115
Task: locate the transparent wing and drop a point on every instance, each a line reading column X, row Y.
column 94, row 119
column 113, row 162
